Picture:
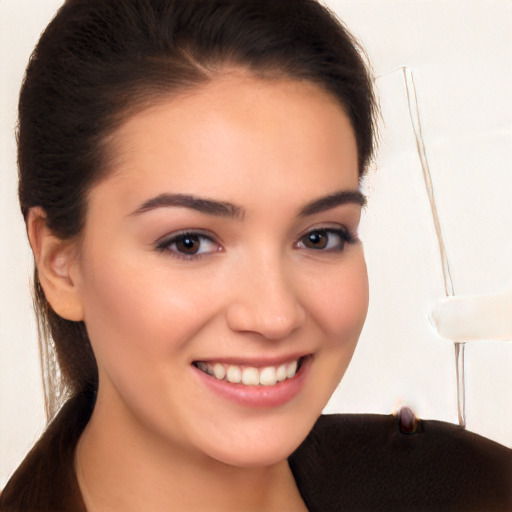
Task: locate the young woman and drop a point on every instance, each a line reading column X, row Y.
column 189, row 175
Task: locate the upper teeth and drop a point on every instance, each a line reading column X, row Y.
column 249, row 375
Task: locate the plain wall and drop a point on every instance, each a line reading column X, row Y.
column 460, row 54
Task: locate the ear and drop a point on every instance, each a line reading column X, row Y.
column 56, row 262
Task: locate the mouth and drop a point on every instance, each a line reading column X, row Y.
column 251, row 375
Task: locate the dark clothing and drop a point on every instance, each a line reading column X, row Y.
column 362, row 462
column 349, row 462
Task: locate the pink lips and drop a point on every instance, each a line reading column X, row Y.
column 258, row 396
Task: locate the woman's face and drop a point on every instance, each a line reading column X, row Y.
column 223, row 246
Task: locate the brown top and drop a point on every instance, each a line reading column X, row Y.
column 349, row 462
column 365, row 462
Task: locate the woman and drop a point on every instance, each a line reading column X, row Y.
column 189, row 178
column 207, row 314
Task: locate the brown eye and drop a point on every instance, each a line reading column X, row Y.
column 188, row 244
column 327, row 240
column 316, row 240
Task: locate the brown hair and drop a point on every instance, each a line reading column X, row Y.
column 100, row 61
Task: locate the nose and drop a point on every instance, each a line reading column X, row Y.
column 266, row 302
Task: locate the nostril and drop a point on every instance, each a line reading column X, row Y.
column 406, row 421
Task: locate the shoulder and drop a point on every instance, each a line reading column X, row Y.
column 365, row 462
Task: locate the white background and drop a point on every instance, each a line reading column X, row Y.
column 460, row 53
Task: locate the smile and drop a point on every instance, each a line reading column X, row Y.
column 255, row 384
column 250, row 375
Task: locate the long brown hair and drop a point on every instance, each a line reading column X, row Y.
column 100, row 61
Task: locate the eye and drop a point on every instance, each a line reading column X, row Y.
column 328, row 239
column 188, row 245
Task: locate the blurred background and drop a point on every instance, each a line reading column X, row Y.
column 444, row 78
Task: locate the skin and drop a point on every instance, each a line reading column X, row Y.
column 256, row 290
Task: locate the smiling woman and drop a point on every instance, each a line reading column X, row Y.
column 189, row 176
column 190, row 183
column 225, row 283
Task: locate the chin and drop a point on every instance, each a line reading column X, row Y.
column 264, row 443
column 257, row 456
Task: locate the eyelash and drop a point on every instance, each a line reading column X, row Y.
column 165, row 244
column 344, row 235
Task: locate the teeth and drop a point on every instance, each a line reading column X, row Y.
column 205, row 368
column 219, row 371
column 291, row 370
column 268, row 376
column 250, row 376
column 281, row 373
column 234, row 374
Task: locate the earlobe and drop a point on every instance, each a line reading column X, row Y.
column 55, row 259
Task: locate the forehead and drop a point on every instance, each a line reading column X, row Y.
column 237, row 132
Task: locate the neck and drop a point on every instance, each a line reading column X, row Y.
column 120, row 466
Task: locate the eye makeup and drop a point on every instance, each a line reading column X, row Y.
column 188, row 244
column 326, row 239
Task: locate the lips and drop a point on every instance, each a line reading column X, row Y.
column 248, row 375
column 255, row 384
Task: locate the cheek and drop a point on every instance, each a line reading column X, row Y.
column 141, row 312
column 339, row 301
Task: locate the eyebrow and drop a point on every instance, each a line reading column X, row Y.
column 331, row 201
column 208, row 206
column 230, row 210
